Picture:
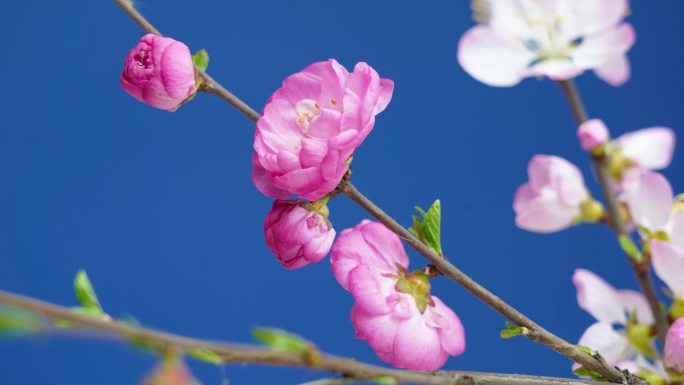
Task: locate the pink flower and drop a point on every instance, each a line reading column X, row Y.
column 558, row 39
column 159, row 71
column 394, row 311
column 170, row 372
column 592, row 134
column 298, row 234
column 609, row 307
column 553, row 198
column 312, row 125
column 668, row 263
column 674, row 347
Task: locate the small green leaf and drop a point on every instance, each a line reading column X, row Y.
column 282, row 340
column 587, row 350
column 85, row 292
column 629, row 247
column 205, row 355
column 512, row 330
column 428, row 229
column 201, row 59
column 86, row 311
column 585, row 372
column 18, row 323
column 386, row 380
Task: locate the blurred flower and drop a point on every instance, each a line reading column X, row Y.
column 312, row 125
column 170, row 372
column 592, row 133
column 394, row 311
column 674, row 348
column 555, row 38
column 297, row 233
column 554, row 198
column 610, row 307
column 646, row 149
column 668, row 263
column 159, row 71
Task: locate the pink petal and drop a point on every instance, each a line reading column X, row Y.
column 417, row 346
column 650, row 200
column 588, row 17
column 650, row 148
column 370, row 290
column 386, row 90
column 379, row 331
column 592, row 134
column 614, row 71
column 263, row 182
column 598, row 298
column 452, row 333
column 668, row 263
column 596, row 50
column 493, row 58
column 635, row 302
column 676, row 228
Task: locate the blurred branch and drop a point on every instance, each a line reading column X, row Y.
column 599, row 164
column 352, row 370
column 534, row 331
column 208, row 84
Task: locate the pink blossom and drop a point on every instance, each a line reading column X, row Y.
column 674, row 347
column 668, row 263
column 558, row 39
column 394, row 311
column 609, row 307
column 159, row 71
column 312, row 125
column 297, row 234
column 592, row 134
column 552, row 198
column 649, row 197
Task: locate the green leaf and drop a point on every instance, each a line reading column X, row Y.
column 18, row 323
column 282, row 340
column 85, row 292
column 205, row 355
column 86, row 311
column 386, row 380
column 428, row 229
column 512, row 330
column 585, row 372
column 201, row 59
column 629, row 247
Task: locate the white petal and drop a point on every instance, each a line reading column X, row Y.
column 635, row 302
column 650, row 148
column 650, row 200
column 612, row 345
column 598, row 297
column 595, row 51
column 668, row 263
column 614, row 71
column 493, row 58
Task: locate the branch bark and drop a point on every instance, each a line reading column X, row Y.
column 599, row 164
column 535, row 332
column 235, row 353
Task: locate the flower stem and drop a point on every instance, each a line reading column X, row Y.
column 599, row 163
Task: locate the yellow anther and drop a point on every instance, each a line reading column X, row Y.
column 333, row 101
column 317, row 105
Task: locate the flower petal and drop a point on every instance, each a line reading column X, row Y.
column 598, row 298
column 668, row 263
column 613, row 346
column 650, row 148
column 649, row 197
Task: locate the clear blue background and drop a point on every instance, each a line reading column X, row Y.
column 160, row 208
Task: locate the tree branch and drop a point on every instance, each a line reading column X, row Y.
column 615, row 221
column 534, row 332
column 235, row 353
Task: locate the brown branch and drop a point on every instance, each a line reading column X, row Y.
column 235, row 353
column 616, row 222
column 208, row 84
column 534, row 332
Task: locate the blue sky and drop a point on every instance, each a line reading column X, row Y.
column 160, row 210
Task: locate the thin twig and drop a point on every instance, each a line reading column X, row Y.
column 208, row 84
column 235, row 353
column 534, row 331
column 615, row 221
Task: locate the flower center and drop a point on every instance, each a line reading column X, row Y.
column 416, row 284
column 307, row 110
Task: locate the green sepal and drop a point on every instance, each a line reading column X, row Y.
column 641, row 337
column 428, row 229
column 630, row 248
column 206, row 355
column 201, row 59
column 676, row 309
column 386, row 380
column 587, row 350
column 652, row 378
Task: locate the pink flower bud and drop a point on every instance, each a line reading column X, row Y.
column 592, row 134
column 297, row 234
column 159, row 71
column 394, row 311
column 173, row 372
column 674, row 347
column 552, row 199
column 311, row 126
